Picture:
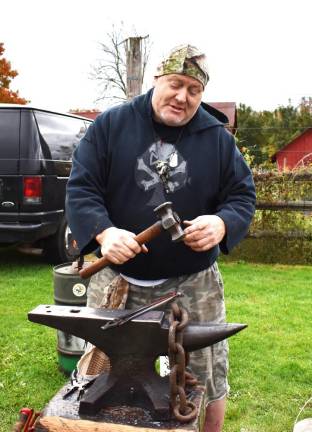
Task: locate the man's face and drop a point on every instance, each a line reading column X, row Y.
column 176, row 99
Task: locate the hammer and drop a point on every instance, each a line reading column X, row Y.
column 168, row 221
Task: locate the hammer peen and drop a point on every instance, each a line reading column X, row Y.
column 168, row 221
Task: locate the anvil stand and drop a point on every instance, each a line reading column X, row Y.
column 133, row 396
column 100, row 410
column 62, row 414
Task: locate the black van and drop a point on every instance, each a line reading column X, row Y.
column 36, row 147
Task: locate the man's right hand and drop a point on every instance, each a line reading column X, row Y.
column 118, row 245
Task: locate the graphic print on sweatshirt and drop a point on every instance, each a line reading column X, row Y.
column 160, row 168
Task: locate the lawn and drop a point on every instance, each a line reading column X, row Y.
column 271, row 361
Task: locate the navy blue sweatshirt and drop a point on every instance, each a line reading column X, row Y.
column 114, row 182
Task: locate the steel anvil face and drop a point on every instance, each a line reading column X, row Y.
column 132, row 348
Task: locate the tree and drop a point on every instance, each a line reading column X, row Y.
column 261, row 134
column 111, row 70
column 249, row 133
column 6, row 76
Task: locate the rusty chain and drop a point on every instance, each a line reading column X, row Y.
column 184, row 410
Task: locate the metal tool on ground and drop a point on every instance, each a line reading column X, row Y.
column 168, row 221
column 132, row 349
column 77, row 385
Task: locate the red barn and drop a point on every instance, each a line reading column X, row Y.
column 296, row 154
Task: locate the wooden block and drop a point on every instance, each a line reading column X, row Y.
column 57, row 424
column 62, row 415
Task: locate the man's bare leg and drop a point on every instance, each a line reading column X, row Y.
column 215, row 412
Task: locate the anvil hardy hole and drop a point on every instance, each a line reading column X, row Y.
column 75, row 310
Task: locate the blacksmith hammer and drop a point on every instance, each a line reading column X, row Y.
column 168, row 221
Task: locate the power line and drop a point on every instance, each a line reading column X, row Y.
column 275, row 128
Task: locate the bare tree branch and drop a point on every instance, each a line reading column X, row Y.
column 111, row 70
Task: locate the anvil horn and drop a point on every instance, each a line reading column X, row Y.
column 197, row 336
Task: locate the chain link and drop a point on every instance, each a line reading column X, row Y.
column 183, row 409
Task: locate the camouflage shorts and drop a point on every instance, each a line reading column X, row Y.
column 203, row 299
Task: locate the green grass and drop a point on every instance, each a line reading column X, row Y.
column 271, row 361
column 28, row 361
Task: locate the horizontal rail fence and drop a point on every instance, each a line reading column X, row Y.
column 284, row 181
column 284, row 205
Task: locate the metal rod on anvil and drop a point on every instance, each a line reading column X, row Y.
column 140, row 311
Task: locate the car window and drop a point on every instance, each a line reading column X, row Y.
column 30, row 148
column 60, row 134
column 9, row 133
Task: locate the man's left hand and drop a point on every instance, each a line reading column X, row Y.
column 204, row 232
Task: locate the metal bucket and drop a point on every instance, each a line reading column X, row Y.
column 69, row 290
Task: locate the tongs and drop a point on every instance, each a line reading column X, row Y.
column 140, row 311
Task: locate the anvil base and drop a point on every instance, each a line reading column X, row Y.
column 148, row 391
column 62, row 413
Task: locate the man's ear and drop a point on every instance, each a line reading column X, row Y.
column 155, row 80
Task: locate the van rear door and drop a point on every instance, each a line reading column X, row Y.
column 10, row 181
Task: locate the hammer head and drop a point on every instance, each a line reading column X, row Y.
column 170, row 221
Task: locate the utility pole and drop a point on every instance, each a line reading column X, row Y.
column 134, row 66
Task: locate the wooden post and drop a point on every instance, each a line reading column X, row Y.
column 134, row 66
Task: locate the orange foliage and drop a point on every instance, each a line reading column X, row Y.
column 6, row 76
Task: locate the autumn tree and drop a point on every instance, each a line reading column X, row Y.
column 111, row 70
column 6, row 76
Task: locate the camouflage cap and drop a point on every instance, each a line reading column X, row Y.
column 185, row 60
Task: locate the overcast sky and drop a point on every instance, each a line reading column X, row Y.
column 259, row 51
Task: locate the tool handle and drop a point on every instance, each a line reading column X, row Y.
column 19, row 425
column 25, row 416
column 149, row 234
column 144, row 237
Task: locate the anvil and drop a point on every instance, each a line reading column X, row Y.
column 132, row 349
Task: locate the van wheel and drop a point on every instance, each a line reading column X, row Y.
column 60, row 247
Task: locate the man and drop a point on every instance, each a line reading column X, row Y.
column 165, row 146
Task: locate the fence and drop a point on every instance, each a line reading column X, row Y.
column 282, row 228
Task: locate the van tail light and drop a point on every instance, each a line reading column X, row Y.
column 32, row 190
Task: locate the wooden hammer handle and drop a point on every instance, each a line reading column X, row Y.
column 144, row 237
